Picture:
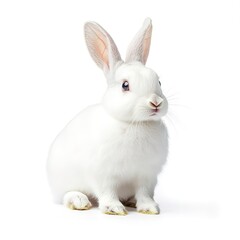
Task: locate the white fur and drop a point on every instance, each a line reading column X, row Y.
column 113, row 150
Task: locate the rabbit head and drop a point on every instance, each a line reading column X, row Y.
column 134, row 91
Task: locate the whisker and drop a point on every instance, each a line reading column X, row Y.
column 173, row 98
column 177, row 105
column 171, row 122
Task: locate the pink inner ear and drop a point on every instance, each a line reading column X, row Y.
column 97, row 44
column 138, row 49
column 100, row 47
column 146, row 44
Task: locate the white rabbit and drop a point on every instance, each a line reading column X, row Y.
column 114, row 151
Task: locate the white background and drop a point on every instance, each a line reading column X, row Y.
column 47, row 77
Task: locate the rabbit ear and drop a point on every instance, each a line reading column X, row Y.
column 101, row 46
column 139, row 47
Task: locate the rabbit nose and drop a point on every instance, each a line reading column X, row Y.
column 156, row 102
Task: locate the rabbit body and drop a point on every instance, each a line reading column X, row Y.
column 93, row 156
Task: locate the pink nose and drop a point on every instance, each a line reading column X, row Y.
column 155, row 104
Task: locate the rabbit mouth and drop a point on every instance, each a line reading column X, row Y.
column 154, row 112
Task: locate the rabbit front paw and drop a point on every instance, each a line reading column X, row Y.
column 148, row 208
column 114, row 209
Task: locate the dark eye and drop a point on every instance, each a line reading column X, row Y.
column 160, row 83
column 125, row 86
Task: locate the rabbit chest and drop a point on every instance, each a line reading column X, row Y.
column 130, row 152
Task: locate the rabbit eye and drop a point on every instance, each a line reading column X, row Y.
column 125, row 86
column 160, row 83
